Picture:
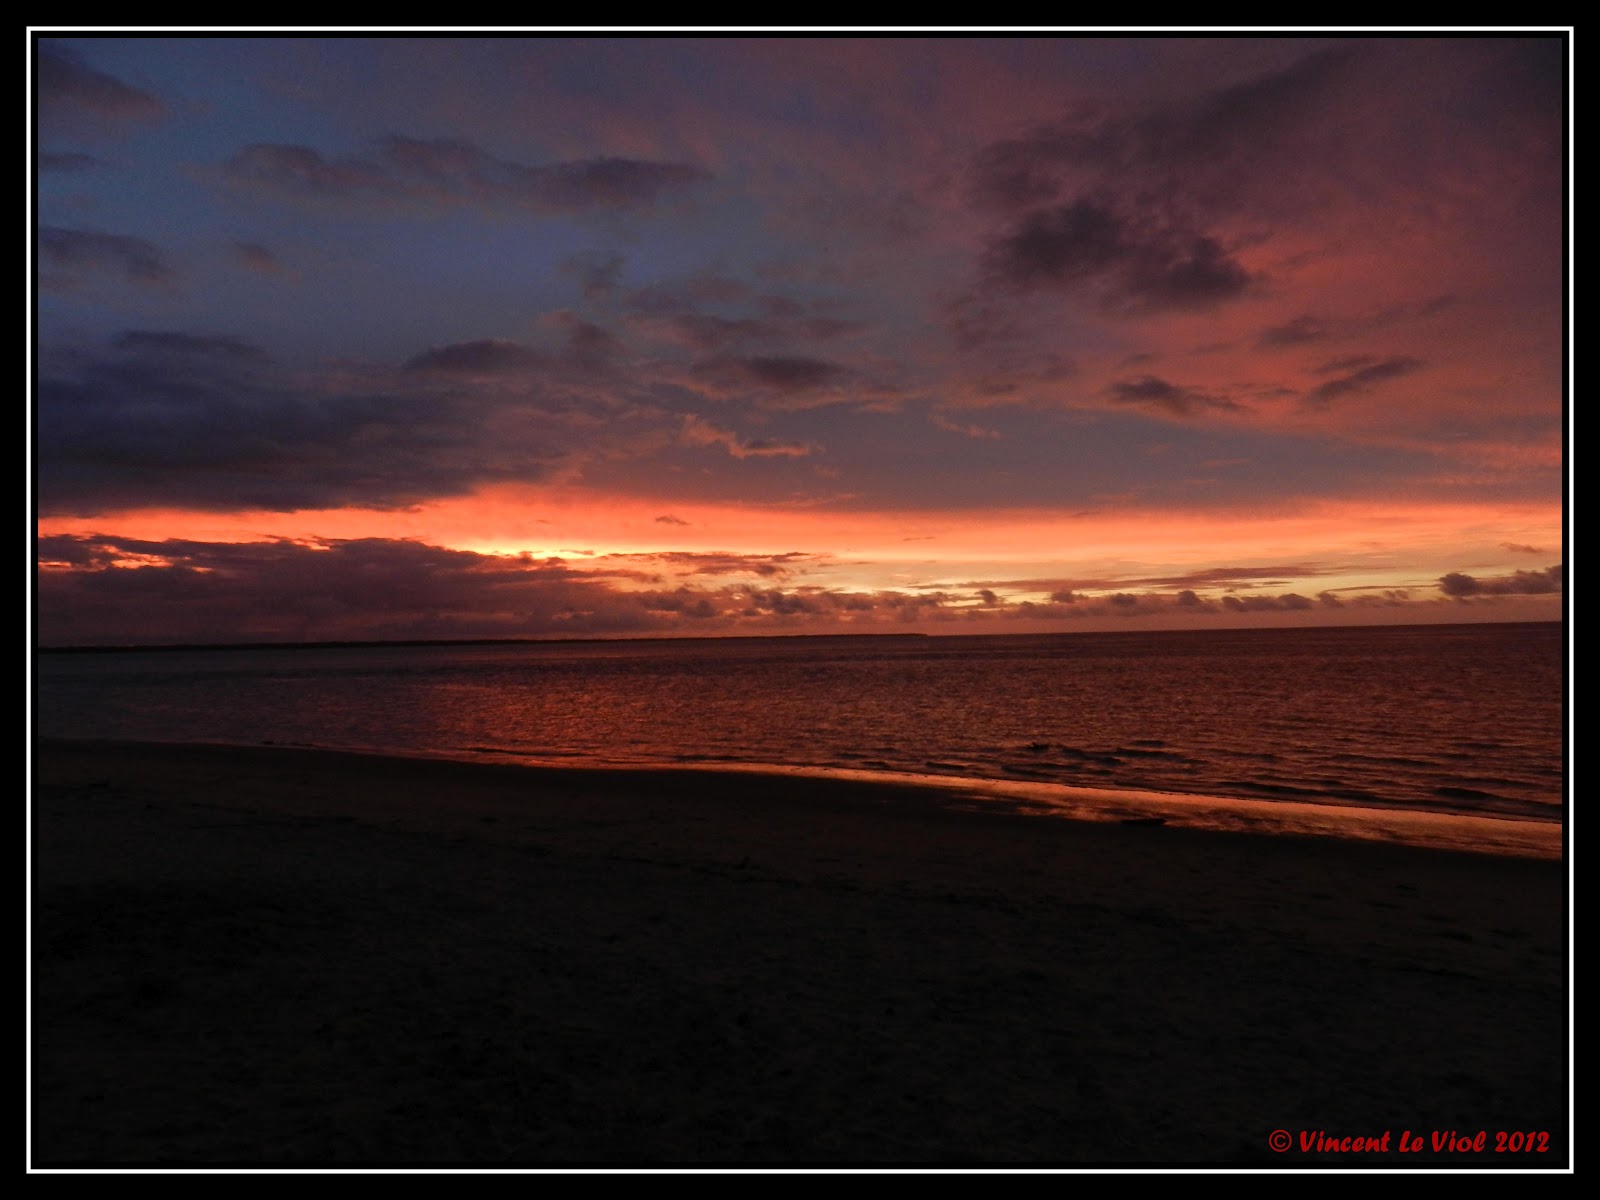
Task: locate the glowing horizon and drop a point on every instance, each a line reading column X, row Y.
column 361, row 360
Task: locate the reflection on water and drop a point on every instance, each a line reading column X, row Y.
column 1464, row 719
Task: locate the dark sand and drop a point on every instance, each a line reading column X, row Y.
column 289, row 958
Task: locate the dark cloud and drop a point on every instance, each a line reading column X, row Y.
column 1520, row 583
column 1151, row 391
column 1288, row 602
column 108, row 590
column 1196, row 273
column 1106, row 597
column 1027, row 172
column 167, row 419
column 97, row 589
column 1075, row 242
column 790, row 604
column 1297, row 332
column 684, row 602
column 1243, row 126
column 588, row 348
column 797, row 378
column 1131, row 204
column 72, row 253
column 72, row 550
column 446, row 171
column 486, row 357
column 1139, row 269
column 609, row 183
column 669, row 519
column 1103, row 598
column 1078, row 606
column 282, row 590
column 71, row 91
column 1516, row 548
column 1363, row 379
column 791, row 373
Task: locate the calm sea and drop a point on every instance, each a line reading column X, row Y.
column 1321, row 730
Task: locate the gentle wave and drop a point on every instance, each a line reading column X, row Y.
column 1328, row 718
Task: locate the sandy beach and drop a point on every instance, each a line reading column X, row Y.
column 276, row 957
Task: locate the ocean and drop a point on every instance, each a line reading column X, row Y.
column 1444, row 734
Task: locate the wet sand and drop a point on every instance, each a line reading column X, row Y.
column 276, row 957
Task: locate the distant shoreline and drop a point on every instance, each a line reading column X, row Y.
column 415, row 642
column 364, row 644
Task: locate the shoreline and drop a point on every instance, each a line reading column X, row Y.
column 139, row 647
column 274, row 956
column 1395, row 823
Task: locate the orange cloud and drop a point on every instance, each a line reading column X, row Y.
column 1376, row 545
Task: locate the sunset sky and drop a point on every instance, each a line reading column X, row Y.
column 543, row 336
